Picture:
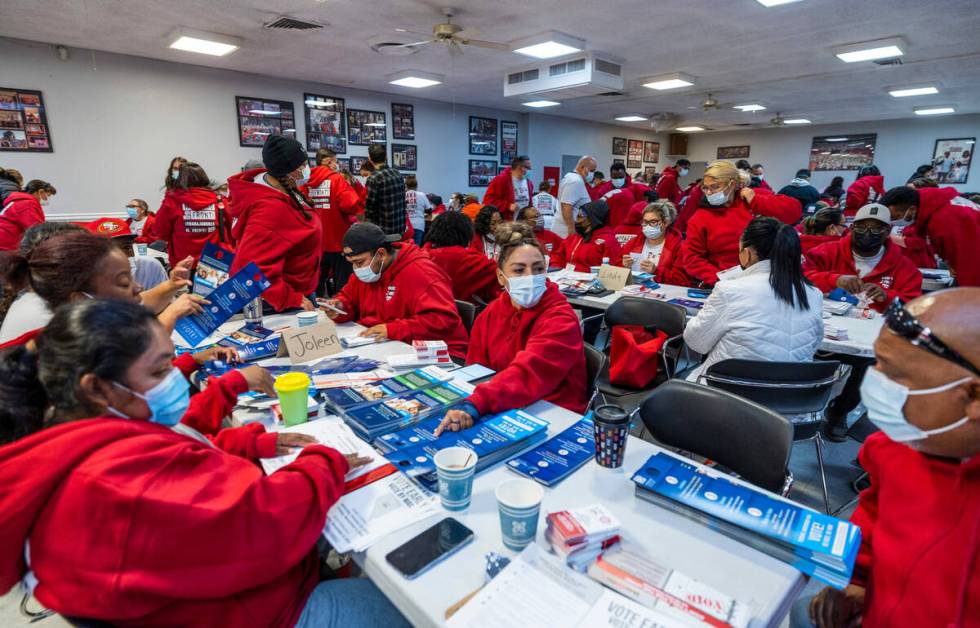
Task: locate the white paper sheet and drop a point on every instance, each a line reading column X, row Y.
column 334, row 433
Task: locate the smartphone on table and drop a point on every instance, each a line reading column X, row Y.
column 428, row 549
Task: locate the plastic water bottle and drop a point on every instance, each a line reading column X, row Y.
column 253, row 311
column 605, row 261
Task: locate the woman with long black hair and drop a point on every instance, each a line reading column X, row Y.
column 190, row 216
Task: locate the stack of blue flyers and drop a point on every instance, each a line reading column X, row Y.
column 557, row 458
column 393, row 413
column 346, row 398
column 253, row 342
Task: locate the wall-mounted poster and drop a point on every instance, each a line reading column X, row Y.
column 634, row 154
column 481, row 171
column 325, row 123
column 483, row 137
column 258, row 118
column 619, row 146
column 850, row 152
column 366, row 127
column 404, row 157
column 24, row 121
column 619, row 161
column 951, row 159
column 651, row 152
column 508, row 142
column 402, row 121
column 733, row 152
column 355, row 164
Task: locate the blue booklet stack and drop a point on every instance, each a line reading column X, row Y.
column 494, row 439
column 818, row 545
column 557, row 458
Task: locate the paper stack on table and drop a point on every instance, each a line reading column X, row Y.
column 579, row 535
column 834, row 332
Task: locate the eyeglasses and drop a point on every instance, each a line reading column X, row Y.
column 902, row 323
column 874, row 230
column 652, row 223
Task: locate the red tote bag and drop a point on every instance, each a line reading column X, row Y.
column 634, row 355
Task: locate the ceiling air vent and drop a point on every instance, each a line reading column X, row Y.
column 894, row 61
column 571, row 77
column 286, row 23
column 601, row 65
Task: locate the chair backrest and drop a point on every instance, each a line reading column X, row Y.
column 784, row 387
column 594, row 361
column 667, row 317
column 467, row 312
column 745, row 437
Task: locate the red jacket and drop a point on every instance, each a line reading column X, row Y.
column 808, row 241
column 586, row 254
column 917, row 249
column 271, row 232
column 471, row 273
column 189, row 219
column 336, row 201
column 549, row 240
column 920, row 536
column 950, row 224
column 620, row 202
column 537, row 352
column 146, row 235
column 895, row 273
column 477, row 244
column 136, row 524
column 690, row 206
column 667, row 187
column 763, row 185
column 713, row 232
column 19, row 211
column 500, row 193
column 669, row 269
column 630, row 228
column 863, row 191
column 413, row 297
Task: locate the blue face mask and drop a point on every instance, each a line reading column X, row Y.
column 526, row 290
column 168, row 400
column 131, row 212
column 885, row 399
column 618, row 183
column 366, row 273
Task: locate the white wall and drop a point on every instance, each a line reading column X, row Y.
column 902, row 146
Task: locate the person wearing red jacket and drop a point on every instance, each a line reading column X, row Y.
column 726, row 208
column 484, row 226
column 140, row 220
column 592, row 241
column 19, row 210
column 667, row 186
column 473, row 275
column 190, row 216
column 511, row 189
column 530, row 335
column 337, row 203
column 547, row 239
column 690, row 204
column 397, row 292
column 161, row 526
column 825, row 225
column 758, row 173
column 631, row 229
column 919, row 559
column 944, row 221
column 276, row 227
column 658, row 249
column 867, row 188
column 620, row 193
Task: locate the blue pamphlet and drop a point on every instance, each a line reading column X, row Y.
column 350, row 397
column 557, row 458
column 212, row 268
column 252, row 341
column 227, row 300
column 406, row 409
column 692, row 307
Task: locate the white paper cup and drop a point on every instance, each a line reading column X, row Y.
column 455, row 467
column 519, row 502
column 305, row 319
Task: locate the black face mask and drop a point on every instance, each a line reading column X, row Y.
column 581, row 229
column 868, row 242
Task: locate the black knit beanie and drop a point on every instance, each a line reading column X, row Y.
column 281, row 155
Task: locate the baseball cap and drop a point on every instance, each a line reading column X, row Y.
column 108, row 227
column 365, row 236
column 874, row 211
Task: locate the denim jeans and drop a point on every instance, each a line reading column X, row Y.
column 349, row 603
column 418, row 236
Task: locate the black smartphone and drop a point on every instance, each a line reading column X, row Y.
column 418, row 555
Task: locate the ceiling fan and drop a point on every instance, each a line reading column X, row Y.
column 777, row 120
column 451, row 35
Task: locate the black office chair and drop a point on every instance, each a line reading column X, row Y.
column 789, row 388
column 467, row 312
column 743, row 436
column 595, row 360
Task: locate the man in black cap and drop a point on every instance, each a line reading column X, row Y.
column 592, row 241
column 385, row 201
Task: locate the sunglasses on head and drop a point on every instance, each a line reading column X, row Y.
column 902, row 323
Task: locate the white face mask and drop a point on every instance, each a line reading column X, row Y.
column 760, row 176
column 716, row 199
column 652, row 232
column 885, row 399
column 366, row 273
column 682, row 172
column 43, row 202
column 589, row 176
column 305, row 177
column 174, row 174
column 618, row 183
column 902, row 222
column 526, row 290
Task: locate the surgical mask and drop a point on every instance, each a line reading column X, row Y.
column 589, row 176
column 526, row 290
column 618, row 183
column 885, row 398
column 652, row 232
column 174, row 173
column 682, row 172
column 131, row 212
column 168, row 400
column 306, row 176
column 366, row 273
column 43, row 202
column 717, row 198
column 759, row 176
column 902, row 222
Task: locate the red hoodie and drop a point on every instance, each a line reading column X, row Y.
column 667, row 187
column 19, row 211
column 669, row 268
column 895, row 273
column 500, row 193
column 274, row 234
column 950, row 224
column 549, row 240
column 917, row 249
column 713, row 232
column 413, row 297
column 863, row 191
column 810, row 241
column 690, row 206
column 631, row 228
column 133, row 523
column 337, row 203
column 471, row 273
column 586, row 254
column 189, row 219
column 146, row 234
column 537, row 352
column 920, row 537
column 619, row 203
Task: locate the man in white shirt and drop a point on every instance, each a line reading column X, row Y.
column 573, row 193
column 416, row 206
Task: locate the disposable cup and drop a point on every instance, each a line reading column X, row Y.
column 293, row 390
column 519, row 502
column 455, row 467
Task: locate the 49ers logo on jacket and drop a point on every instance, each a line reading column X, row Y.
column 108, row 227
column 199, row 220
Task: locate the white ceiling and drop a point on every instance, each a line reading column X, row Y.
column 739, row 50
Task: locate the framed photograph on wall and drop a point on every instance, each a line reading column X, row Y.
column 366, row 127
column 404, row 157
column 508, row 142
column 24, row 121
column 951, row 159
column 483, row 136
column 355, row 164
column 402, row 121
column 733, row 152
column 619, row 146
column 634, row 154
column 325, row 123
column 619, row 161
column 651, row 152
column 258, row 118
column 843, row 153
column 481, row 171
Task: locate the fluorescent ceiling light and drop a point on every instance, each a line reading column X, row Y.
column 797, row 121
column 913, row 91
column 775, row 3
column 541, row 103
column 203, row 42
column 871, row 50
column 631, row 118
column 749, row 108
column 689, row 129
column 835, row 139
column 668, row 81
column 548, row 45
column 416, row 79
column 933, row 111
